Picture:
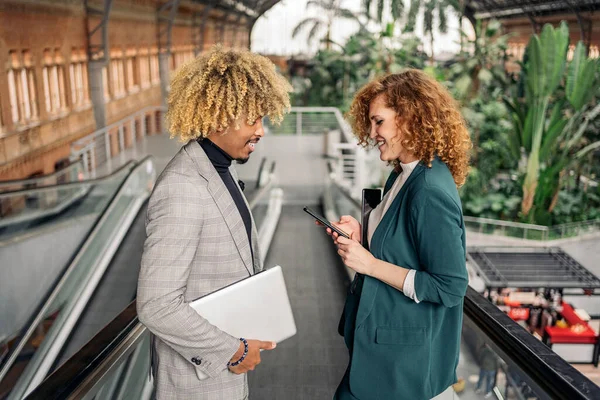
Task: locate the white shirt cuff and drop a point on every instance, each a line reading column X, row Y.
column 409, row 286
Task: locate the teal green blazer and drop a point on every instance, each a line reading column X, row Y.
column 400, row 349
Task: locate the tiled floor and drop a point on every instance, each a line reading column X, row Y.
column 311, row 364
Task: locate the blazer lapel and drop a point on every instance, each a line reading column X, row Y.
column 224, row 202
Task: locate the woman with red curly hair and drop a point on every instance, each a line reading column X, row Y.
column 403, row 315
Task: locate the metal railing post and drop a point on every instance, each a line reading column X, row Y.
column 92, row 173
column 143, row 125
column 132, row 130
column 107, row 145
column 86, row 166
column 121, row 139
column 298, row 123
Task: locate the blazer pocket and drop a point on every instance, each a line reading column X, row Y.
column 404, row 336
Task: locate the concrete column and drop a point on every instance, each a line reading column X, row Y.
column 163, row 69
column 96, row 82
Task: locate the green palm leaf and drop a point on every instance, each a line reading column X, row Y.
column 380, row 5
column 413, row 11
column 442, row 17
column 397, row 7
column 304, row 23
column 314, row 30
column 580, row 78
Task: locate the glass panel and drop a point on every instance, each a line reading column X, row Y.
column 70, row 174
column 86, row 203
column 482, row 372
column 305, row 123
column 129, row 377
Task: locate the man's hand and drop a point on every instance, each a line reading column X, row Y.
column 252, row 358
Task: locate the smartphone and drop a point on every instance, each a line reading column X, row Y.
column 370, row 199
column 326, row 223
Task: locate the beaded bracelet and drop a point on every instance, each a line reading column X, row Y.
column 238, row 362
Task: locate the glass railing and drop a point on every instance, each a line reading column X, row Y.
column 32, row 352
column 43, row 247
column 72, row 173
column 27, row 209
column 115, row 364
column 518, row 365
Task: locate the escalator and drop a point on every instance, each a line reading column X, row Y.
column 87, row 234
column 115, row 291
column 100, row 281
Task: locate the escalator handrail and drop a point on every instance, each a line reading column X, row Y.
column 38, row 314
column 260, row 170
column 555, row 376
column 20, row 192
column 31, row 181
column 50, row 349
column 95, row 354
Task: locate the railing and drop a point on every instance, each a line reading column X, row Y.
column 72, row 173
column 101, row 146
column 339, row 142
column 506, row 228
column 68, row 298
column 31, row 204
column 527, row 367
column 116, row 362
column 530, row 231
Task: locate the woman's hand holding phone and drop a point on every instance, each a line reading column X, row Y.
column 347, row 224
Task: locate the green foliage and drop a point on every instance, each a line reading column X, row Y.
column 479, row 67
column 500, row 203
column 551, row 128
column 431, row 10
column 337, row 74
column 552, row 119
column 534, row 136
column 576, row 206
column 329, row 10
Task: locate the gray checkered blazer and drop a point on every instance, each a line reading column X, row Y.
column 196, row 243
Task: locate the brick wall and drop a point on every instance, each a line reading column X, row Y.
column 58, row 27
column 521, row 30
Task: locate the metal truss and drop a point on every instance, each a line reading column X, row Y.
column 98, row 34
column 199, row 26
column 165, row 17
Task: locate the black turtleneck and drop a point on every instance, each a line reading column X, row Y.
column 222, row 161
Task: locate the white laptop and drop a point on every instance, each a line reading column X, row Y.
column 257, row 307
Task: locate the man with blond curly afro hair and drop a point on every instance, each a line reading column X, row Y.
column 200, row 235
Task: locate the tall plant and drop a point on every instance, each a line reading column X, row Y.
column 329, row 10
column 482, row 64
column 396, row 9
column 430, row 9
column 551, row 123
column 544, row 73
